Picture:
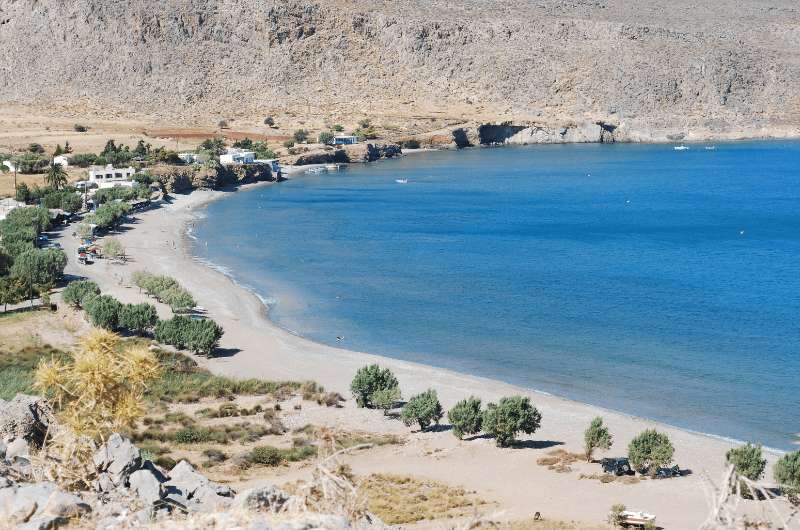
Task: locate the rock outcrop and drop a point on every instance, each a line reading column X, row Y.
column 655, row 67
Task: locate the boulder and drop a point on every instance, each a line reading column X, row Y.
column 206, row 499
column 26, row 417
column 147, row 485
column 43, row 523
column 269, row 499
column 186, row 479
column 17, row 447
column 64, row 504
column 40, row 505
column 118, row 457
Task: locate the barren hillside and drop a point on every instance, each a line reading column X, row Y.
column 648, row 67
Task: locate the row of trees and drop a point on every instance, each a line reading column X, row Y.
column 200, row 336
column 109, row 215
column 122, row 193
column 165, row 289
column 376, row 387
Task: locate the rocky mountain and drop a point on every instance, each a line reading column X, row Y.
column 643, row 69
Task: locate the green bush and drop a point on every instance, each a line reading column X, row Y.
column 193, row 435
column 164, row 289
column 423, row 409
column 385, row 398
column 80, row 128
column 199, row 336
column 747, row 460
column 103, row 311
column 466, row 417
column 265, row 455
column 650, row 451
column 300, row 136
column 77, row 293
column 787, row 472
column 138, row 318
column 109, row 215
column 596, row 436
column 325, row 137
column 510, row 416
column 369, row 380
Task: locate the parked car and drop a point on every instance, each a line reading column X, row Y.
column 668, row 472
column 616, row 466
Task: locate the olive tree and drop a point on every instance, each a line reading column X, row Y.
column 748, row 461
column 510, row 416
column 369, row 380
column 423, row 409
column 596, row 436
column 650, row 451
column 79, row 292
column 466, row 417
column 103, row 311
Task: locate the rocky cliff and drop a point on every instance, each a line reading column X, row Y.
column 647, row 68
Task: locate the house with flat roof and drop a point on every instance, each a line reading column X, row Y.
column 237, row 156
column 109, row 176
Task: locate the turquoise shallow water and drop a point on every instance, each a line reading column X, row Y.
column 657, row 282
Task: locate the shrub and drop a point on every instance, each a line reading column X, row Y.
column 193, row 435
column 300, row 136
column 80, row 128
column 650, row 451
column 113, row 248
column 269, row 120
column 747, row 460
column 615, row 517
column 288, row 144
column 199, row 336
column 103, row 311
column 244, row 143
column 369, row 380
column 164, row 289
column 338, row 128
column 22, row 192
column 265, row 455
column 138, row 318
column 325, row 137
column 385, row 398
column 596, row 436
column 787, row 472
column 423, row 409
column 466, row 417
column 510, row 416
column 410, row 144
column 77, row 293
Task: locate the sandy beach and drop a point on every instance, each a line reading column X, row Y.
column 253, row 346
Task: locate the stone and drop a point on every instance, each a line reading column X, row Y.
column 147, row 485
column 25, row 417
column 103, row 483
column 119, row 458
column 62, row 504
column 17, row 447
column 18, row 504
column 3, row 445
column 206, row 499
column 5, row 482
column 185, row 478
column 268, row 499
column 43, row 523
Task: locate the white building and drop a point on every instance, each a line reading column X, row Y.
column 273, row 164
column 344, row 140
column 237, row 156
column 189, row 158
column 61, row 159
column 109, row 176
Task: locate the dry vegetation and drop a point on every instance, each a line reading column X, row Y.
column 559, row 460
column 401, row 499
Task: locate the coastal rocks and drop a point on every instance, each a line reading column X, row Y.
column 40, row 505
column 242, row 174
column 323, row 156
column 174, row 179
column 193, row 491
column 508, row 133
column 26, row 417
column 369, row 152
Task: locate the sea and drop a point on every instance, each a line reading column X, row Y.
column 657, row 282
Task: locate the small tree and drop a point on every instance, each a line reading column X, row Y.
column 288, row 144
column 650, row 451
column 597, row 437
column 269, row 121
column 510, row 416
column 138, row 318
column 369, row 380
column 103, row 311
column 222, row 124
column 113, row 248
column 79, row 292
column 325, row 137
column 466, row 417
column 423, row 409
column 748, row 461
column 615, row 516
column 787, row 473
column 338, row 128
column 385, row 398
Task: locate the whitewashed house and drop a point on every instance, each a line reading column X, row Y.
column 189, row 158
column 61, row 159
column 237, row 156
column 342, row 139
column 109, row 176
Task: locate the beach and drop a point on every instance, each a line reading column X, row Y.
column 253, row 346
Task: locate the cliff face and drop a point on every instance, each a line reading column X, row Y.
column 640, row 65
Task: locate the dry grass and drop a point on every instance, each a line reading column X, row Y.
column 559, row 460
column 401, row 499
column 545, row 524
column 607, row 478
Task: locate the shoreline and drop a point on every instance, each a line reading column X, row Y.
column 255, row 346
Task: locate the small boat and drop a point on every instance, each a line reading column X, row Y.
column 332, row 167
column 710, row 147
column 316, row 170
column 681, row 148
column 401, row 181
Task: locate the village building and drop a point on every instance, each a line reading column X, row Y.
column 344, row 140
column 109, row 176
column 190, row 158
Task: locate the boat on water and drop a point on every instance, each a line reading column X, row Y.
column 710, row 147
column 401, row 181
column 333, row 167
column 316, row 170
column 681, row 148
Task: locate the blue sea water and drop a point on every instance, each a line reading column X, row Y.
column 656, row 282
